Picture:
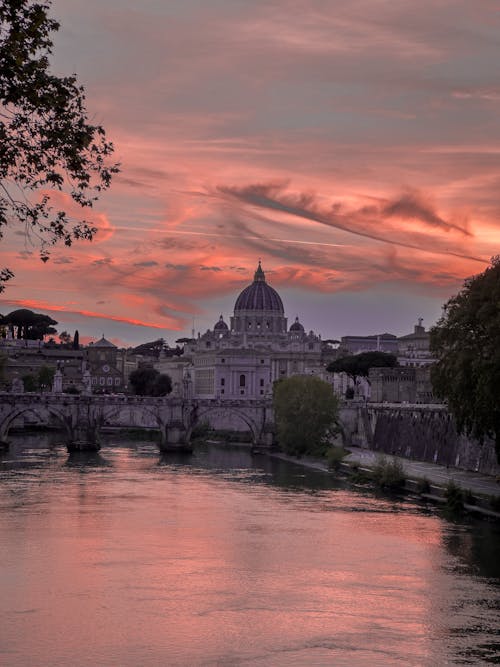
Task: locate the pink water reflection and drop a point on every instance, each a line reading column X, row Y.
column 137, row 564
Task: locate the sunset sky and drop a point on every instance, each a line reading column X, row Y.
column 353, row 146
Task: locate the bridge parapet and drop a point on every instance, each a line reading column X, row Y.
column 83, row 416
column 424, row 407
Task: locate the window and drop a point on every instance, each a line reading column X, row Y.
column 102, row 380
column 110, row 380
column 261, row 391
column 262, row 382
column 223, row 361
column 262, row 361
column 242, row 391
column 222, row 382
column 117, row 381
column 242, row 380
column 222, row 391
column 94, row 380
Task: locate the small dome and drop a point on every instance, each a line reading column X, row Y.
column 103, row 343
column 259, row 296
column 221, row 325
column 297, row 326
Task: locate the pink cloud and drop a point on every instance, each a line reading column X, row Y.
column 349, row 146
column 56, row 308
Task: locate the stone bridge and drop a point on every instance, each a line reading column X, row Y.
column 82, row 418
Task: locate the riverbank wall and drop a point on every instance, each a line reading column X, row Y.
column 420, row 432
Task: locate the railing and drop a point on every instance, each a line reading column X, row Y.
column 408, row 406
column 110, row 399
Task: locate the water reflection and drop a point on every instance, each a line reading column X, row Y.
column 82, row 460
column 225, row 558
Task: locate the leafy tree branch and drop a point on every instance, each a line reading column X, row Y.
column 47, row 143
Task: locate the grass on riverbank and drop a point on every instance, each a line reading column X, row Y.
column 386, row 474
column 334, row 457
column 389, row 474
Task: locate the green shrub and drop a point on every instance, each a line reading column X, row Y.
column 334, row 456
column 358, row 476
column 495, row 503
column 389, row 474
column 423, row 485
column 454, row 497
column 469, row 498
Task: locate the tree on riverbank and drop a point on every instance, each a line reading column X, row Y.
column 306, row 413
column 466, row 344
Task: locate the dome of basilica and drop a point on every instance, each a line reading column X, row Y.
column 297, row 326
column 221, row 325
column 259, row 296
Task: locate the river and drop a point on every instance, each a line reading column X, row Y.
column 128, row 558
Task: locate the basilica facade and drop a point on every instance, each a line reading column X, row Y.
column 243, row 358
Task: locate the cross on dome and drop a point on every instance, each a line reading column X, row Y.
column 259, row 274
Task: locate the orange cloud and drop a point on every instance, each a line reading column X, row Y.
column 56, row 308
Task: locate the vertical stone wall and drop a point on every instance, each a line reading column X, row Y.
column 401, row 385
column 428, row 434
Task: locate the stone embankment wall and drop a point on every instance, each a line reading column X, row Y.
column 419, row 432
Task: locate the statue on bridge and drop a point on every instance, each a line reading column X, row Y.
column 17, row 385
column 87, row 383
column 57, row 383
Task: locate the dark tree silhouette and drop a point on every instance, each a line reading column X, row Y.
column 46, row 141
column 358, row 365
column 26, row 324
column 151, row 349
column 147, row 381
column 65, row 338
column 466, row 344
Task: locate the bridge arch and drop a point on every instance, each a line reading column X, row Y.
column 111, row 413
column 200, row 414
column 38, row 411
column 159, row 419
